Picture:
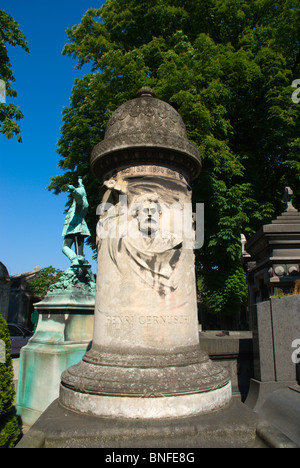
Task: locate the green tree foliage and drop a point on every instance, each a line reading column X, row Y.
column 9, row 431
column 46, row 277
column 227, row 67
column 10, row 34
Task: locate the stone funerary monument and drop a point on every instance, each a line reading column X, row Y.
column 145, row 360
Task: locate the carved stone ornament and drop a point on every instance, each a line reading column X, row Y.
column 140, row 131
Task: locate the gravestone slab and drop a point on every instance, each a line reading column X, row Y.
column 276, row 326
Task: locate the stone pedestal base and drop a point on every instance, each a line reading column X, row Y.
column 64, row 333
column 145, row 385
column 41, row 366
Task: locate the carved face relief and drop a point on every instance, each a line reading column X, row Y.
column 147, row 211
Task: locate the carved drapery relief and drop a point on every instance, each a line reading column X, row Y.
column 143, row 262
column 144, row 234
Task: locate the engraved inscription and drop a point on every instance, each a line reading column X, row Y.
column 125, row 321
column 146, row 169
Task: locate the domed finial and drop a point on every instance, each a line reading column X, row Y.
column 146, row 91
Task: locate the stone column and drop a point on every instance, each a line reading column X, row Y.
column 145, row 360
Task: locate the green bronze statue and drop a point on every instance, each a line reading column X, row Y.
column 75, row 228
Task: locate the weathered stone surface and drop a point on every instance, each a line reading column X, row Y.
column 263, row 349
column 195, row 375
column 276, row 326
column 286, row 329
column 142, row 124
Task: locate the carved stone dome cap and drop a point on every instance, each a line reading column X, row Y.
column 145, row 130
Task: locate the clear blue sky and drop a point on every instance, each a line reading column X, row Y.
column 32, row 217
